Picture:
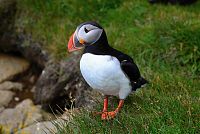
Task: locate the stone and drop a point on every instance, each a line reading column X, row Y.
column 16, row 98
column 23, row 115
column 89, row 99
column 61, row 82
column 7, row 13
column 5, row 97
column 11, row 66
column 32, row 112
column 46, row 127
column 13, row 39
column 4, row 4
column 8, row 85
column 23, row 44
column 32, row 79
column 1, row 109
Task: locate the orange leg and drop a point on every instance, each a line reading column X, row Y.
column 109, row 115
column 105, row 107
column 105, row 104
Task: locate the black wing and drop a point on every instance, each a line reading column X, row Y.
column 133, row 73
column 130, row 69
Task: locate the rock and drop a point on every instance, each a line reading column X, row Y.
column 32, row 79
column 16, row 98
column 11, row 66
column 24, row 114
column 8, row 85
column 7, row 15
column 1, row 109
column 32, row 51
column 23, row 44
column 5, row 97
column 13, row 39
column 47, row 116
column 46, row 127
column 89, row 99
column 31, row 111
column 60, row 82
column 4, row 5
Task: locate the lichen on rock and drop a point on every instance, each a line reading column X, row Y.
column 24, row 114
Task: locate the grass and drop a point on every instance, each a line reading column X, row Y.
column 164, row 41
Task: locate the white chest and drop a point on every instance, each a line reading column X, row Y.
column 104, row 73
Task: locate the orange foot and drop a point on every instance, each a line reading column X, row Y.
column 108, row 115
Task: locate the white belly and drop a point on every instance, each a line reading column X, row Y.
column 104, row 74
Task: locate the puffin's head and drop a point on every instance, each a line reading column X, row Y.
column 86, row 34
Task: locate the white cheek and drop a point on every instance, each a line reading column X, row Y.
column 81, row 34
column 93, row 35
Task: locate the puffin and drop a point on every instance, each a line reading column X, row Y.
column 104, row 68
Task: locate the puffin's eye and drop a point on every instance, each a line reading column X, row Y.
column 86, row 30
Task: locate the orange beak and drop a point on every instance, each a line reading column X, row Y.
column 71, row 46
column 74, row 43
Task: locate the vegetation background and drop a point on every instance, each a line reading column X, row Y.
column 164, row 41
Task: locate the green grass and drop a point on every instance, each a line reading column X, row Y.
column 164, row 41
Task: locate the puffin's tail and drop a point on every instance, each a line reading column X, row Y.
column 141, row 82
